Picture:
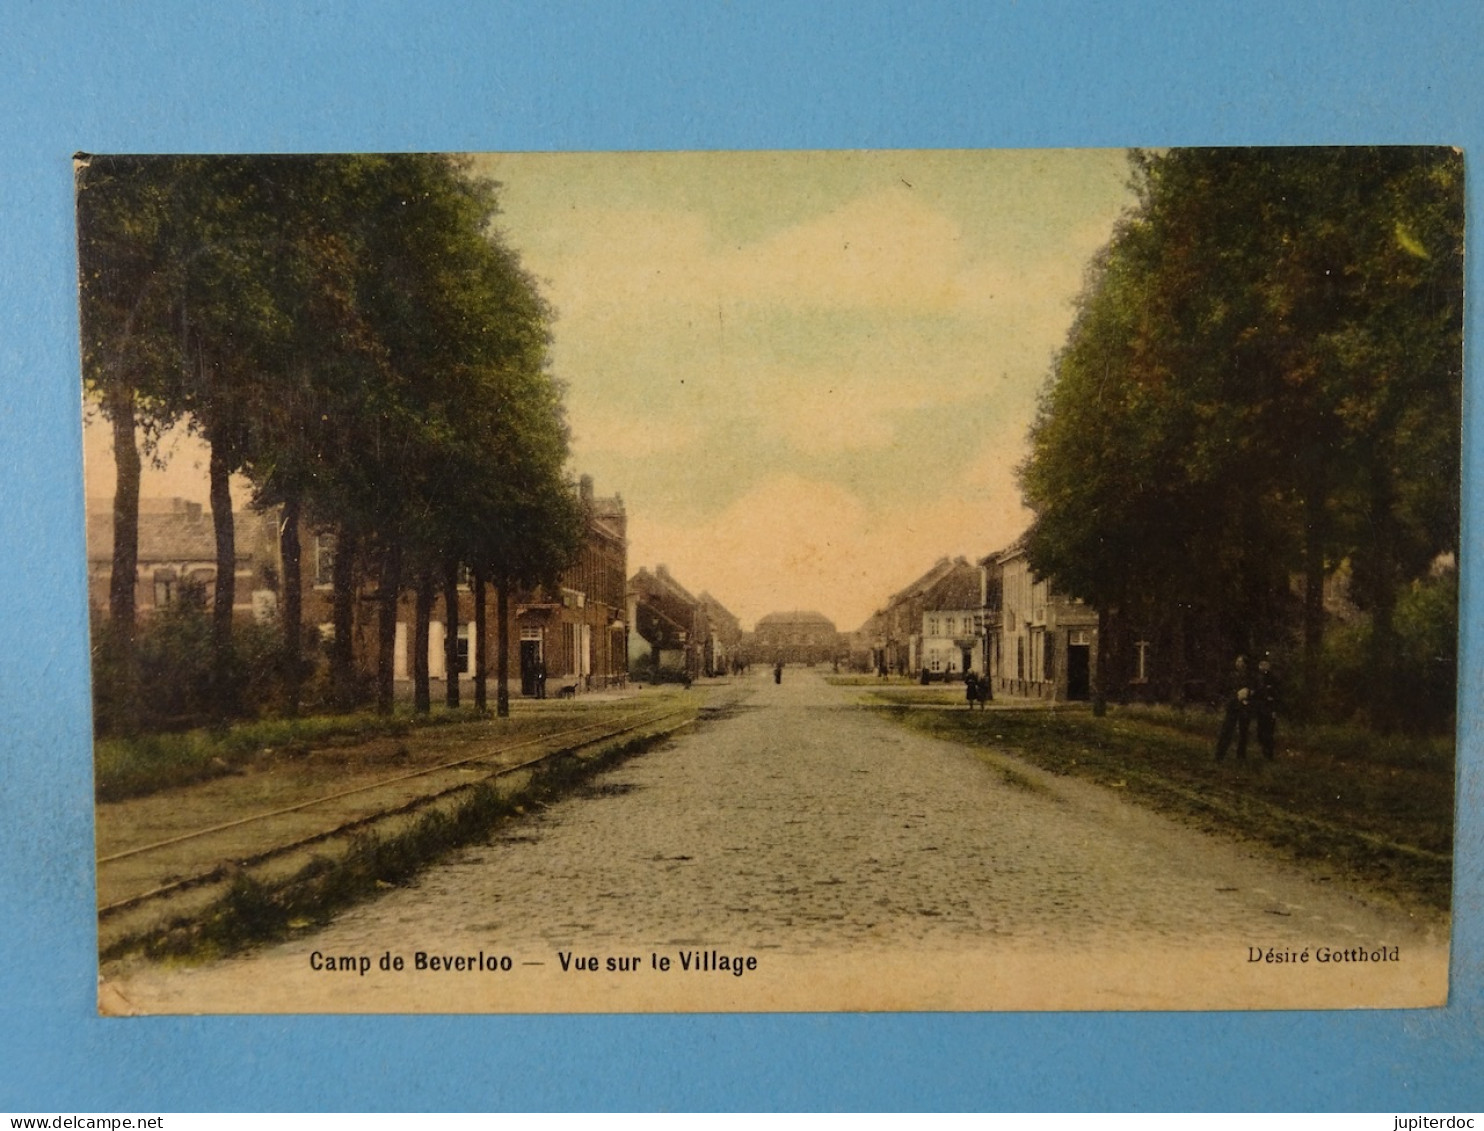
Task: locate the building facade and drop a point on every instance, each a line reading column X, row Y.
column 1047, row 643
column 576, row 636
column 951, row 641
column 177, row 549
column 670, row 624
column 723, row 646
column 797, row 637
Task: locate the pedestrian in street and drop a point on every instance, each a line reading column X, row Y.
column 778, row 672
column 1265, row 707
column 1238, row 711
column 986, row 690
column 971, row 689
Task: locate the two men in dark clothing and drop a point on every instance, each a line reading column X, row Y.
column 1250, row 697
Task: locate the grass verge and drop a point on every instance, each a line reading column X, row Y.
column 141, row 765
column 255, row 911
column 1356, row 806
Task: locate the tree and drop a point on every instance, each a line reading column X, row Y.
column 352, row 334
column 1262, row 381
column 133, row 245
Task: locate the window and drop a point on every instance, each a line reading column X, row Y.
column 463, row 649
column 932, row 626
column 1050, row 657
column 1020, row 657
column 167, row 587
column 324, row 559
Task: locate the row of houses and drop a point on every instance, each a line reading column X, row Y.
column 993, row 617
column 573, row 636
column 676, row 633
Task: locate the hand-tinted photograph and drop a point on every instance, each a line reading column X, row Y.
column 773, row 581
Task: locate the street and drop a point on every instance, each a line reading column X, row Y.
column 863, row 866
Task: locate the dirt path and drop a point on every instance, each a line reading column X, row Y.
column 861, row 866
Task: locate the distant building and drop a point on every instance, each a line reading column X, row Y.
column 900, row 622
column 723, row 644
column 670, row 624
column 1046, row 644
column 796, row 638
column 866, row 644
column 177, row 548
column 952, row 619
column 577, row 634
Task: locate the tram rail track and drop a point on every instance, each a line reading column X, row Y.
column 553, row 746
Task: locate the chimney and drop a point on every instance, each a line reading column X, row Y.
column 585, row 488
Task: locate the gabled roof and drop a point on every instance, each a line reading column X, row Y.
column 1015, row 549
column 959, row 588
column 172, row 530
column 716, row 610
column 661, row 582
column 919, row 588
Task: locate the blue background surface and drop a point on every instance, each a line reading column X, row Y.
column 449, row 76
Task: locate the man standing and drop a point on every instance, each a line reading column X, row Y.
column 1265, row 707
column 1238, row 711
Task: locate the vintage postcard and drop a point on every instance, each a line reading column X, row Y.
column 773, row 581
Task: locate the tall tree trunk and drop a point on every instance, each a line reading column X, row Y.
column 290, row 552
column 1179, row 668
column 122, row 611
column 342, row 648
column 1382, row 661
column 451, row 633
column 121, row 605
column 481, row 647
column 388, row 590
column 422, row 699
column 224, row 593
column 1314, row 542
column 1100, row 665
column 502, row 657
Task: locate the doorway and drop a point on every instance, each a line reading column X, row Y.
column 530, row 668
column 1079, row 671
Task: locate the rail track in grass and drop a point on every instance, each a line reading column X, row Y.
column 154, row 868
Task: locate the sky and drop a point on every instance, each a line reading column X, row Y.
column 809, row 374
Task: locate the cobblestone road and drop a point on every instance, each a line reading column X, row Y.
column 796, row 822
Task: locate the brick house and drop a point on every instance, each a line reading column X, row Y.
column 795, row 638
column 671, row 626
column 177, row 548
